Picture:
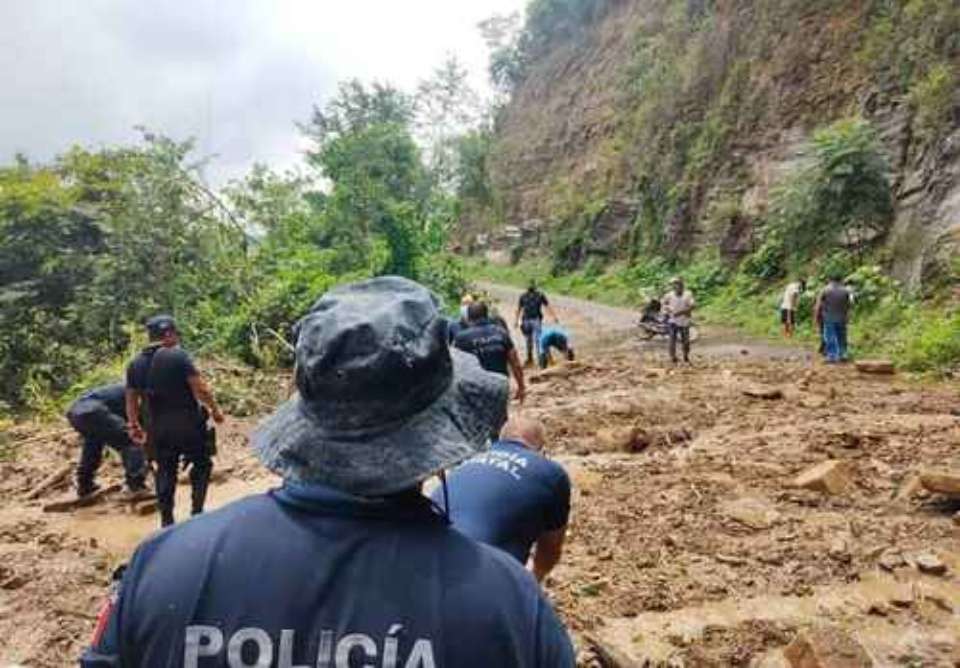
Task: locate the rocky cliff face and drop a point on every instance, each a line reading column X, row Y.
column 599, row 144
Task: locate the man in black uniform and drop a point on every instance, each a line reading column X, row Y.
column 163, row 375
column 530, row 319
column 99, row 416
column 491, row 344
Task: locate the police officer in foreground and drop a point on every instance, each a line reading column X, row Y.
column 512, row 497
column 346, row 564
column 491, row 344
column 100, row 417
column 164, row 378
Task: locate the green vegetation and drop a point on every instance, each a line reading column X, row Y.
column 704, row 88
column 829, row 216
column 96, row 241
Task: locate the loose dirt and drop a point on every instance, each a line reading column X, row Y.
column 689, row 544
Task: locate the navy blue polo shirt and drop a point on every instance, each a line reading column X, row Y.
column 507, row 497
column 314, row 577
column 163, row 375
column 112, row 396
column 489, row 342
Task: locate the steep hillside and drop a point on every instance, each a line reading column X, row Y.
column 662, row 126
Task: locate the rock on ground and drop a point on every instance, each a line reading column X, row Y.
column 941, row 482
column 826, row 647
column 831, row 476
column 883, row 367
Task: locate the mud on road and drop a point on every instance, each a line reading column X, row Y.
column 689, row 543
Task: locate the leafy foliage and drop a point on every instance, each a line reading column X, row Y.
column 95, row 242
column 841, row 195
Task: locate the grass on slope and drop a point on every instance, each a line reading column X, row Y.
column 917, row 335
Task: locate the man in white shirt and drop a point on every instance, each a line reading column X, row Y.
column 678, row 304
column 789, row 304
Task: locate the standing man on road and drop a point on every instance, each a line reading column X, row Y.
column 100, row 416
column 347, row 563
column 678, row 304
column 165, row 378
column 789, row 305
column 834, row 304
column 530, row 319
column 491, row 344
column 512, row 497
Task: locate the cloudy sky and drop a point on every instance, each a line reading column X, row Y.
column 234, row 74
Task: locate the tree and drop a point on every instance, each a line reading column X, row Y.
column 446, row 106
column 358, row 107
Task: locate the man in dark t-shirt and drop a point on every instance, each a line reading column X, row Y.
column 833, row 310
column 530, row 319
column 512, row 497
column 491, row 344
column 99, row 416
column 164, row 378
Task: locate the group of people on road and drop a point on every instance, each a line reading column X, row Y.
column 159, row 415
column 349, row 563
column 832, row 308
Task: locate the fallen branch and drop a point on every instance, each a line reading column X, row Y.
column 51, row 481
column 49, row 435
column 80, row 502
column 611, row 657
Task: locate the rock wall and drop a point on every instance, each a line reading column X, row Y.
column 569, row 136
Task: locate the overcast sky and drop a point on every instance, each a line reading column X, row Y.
column 234, row 74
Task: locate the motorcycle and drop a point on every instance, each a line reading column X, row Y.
column 653, row 323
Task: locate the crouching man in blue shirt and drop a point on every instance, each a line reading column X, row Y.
column 347, row 564
column 512, row 497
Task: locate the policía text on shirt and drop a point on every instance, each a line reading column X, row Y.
column 202, row 641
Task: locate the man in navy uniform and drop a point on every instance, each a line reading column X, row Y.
column 512, row 497
column 164, row 377
column 100, row 417
column 491, row 344
column 347, row 564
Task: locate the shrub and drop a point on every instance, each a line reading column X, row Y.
column 932, row 98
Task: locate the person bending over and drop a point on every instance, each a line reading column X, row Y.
column 512, row 497
column 554, row 338
column 100, row 417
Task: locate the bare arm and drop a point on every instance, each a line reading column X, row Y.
column 547, row 552
column 202, row 392
column 132, row 398
column 513, row 359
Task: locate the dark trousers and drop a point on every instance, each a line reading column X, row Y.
column 682, row 333
column 177, row 439
column 531, row 328
column 99, row 427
